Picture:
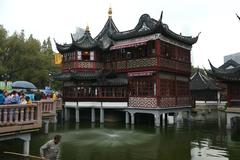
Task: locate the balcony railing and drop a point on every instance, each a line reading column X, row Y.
column 48, row 107
column 16, row 118
column 58, row 104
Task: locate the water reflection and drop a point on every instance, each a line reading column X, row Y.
column 205, row 139
column 203, row 150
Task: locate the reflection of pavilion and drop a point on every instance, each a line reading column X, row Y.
column 230, row 75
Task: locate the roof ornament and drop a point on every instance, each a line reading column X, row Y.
column 237, row 16
column 110, row 12
column 72, row 37
column 87, row 29
column 199, row 34
column 161, row 16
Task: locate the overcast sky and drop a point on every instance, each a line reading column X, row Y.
column 215, row 19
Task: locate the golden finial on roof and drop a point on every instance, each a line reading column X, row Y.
column 110, row 12
column 87, row 29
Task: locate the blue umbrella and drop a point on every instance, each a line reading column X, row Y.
column 23, row 85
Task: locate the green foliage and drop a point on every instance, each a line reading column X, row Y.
column 26, row 58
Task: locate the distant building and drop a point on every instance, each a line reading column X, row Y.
column 78, row 34
column 204, row 88
column 235, row 57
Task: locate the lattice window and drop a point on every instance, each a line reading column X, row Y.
column 182, row 88
column 79, row 55
column 91, row 56
column 167, row 88
column 142, row 86
column 86, row 56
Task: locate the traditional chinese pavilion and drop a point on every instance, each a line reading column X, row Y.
column 142, row 70
column 204, row 88
column 229, row 74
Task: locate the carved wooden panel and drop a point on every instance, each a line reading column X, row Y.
column 84, row 64
column 167, row 102
column 147, row 62
column 183, row 101
column 99, row 65
column 121, row 65
column 142, row 102
column 175, row 65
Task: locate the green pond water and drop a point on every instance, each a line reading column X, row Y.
column 207, row 139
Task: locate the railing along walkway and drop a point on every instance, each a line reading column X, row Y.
column 20, row 117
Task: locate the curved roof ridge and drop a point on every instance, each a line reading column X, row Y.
column 108, row 27
column 147, row 25
column 86, row 42
column 230, row 62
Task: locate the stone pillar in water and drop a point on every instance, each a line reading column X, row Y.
column 132, row 118
column 126, row 117
column 93, row 115
column 65, row 114
column 157, row 119
column 26, row 144
column 77, row 115
column 229, row 117
column 218, row 98
column 46, row 126
column 163, row 119
column 101, row 115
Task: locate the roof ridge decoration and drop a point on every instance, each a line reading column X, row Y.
column 103, row 37
column 237, row 16
column 200, row 82
column 232, row 74
column 154, row 27
column 110, row 12
column 229, row 63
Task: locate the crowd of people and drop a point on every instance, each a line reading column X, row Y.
column 26, row 97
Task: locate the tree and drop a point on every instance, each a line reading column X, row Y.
column 26, row 59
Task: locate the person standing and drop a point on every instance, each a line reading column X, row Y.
column 2, row 97
column 51, row 149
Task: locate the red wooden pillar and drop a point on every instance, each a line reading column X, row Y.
column 176, row 91
column 158, row 90
column 228, row 94
column 94, row 59
column 158, row 50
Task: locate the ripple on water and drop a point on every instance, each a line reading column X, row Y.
column 106, row 137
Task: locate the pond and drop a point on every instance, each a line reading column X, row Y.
column 205, row 139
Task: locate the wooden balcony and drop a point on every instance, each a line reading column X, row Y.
column 20, row 118
column 160, row 102
column 174, row 65
column 78, row 65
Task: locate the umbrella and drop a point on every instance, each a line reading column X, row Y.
column 23, row 85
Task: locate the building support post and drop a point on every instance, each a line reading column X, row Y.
column 26, row 143
column 218, row 98
column 66, row 114
column 229, row 123
column 126, row 117
column 77, row 115
column 101, row 115
column 93, row 115
column 132, row 119
column 46, row 126
column 162, row 119
column 157, row 119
